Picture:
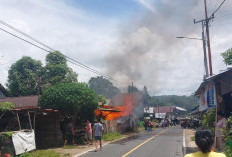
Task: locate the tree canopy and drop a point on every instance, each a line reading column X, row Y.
column 25, row 77
column 227, row 56
column 72, row 99
column 103, row 86
column 57, row 70
column 28, row 76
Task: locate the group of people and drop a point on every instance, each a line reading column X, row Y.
column 96, row 133
column 148, row 125
column 190, row 123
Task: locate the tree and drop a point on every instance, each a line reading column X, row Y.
column 25, row 77
column 227, row 56
column 57, row 70
column 103, row 86
column 132, row 89
column 187, row 102
column 71, row 99
column 102, row 99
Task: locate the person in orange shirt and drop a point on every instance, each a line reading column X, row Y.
column 204, row 140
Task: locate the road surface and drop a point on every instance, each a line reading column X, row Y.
column 158, row 143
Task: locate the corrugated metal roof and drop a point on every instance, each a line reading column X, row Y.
column 211, row 78
column 163, row 109
column 22, row 102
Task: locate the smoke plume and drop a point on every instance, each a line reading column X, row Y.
column 147, row 48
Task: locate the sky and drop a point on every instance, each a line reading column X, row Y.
column 132, row 40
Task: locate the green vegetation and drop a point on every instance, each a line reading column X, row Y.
column 24, row 77
column 57, row 70
column 71, row 99
column 187, row 102
column 111, row 136
column 228, row 138
column 227, row 56
column 103, row 86
column 209, row 120
column 193, row 138
column 28, row 77
column 42, row 153
column 70, row 147
column 102, row 99
column 6, row 106
column 141, row 123
column 5, row 135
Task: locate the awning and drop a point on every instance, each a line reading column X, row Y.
column 180, row 109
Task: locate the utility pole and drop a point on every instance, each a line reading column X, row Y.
column 208, row 39
column 204, row 49
column 205, row 23
column 204, row 46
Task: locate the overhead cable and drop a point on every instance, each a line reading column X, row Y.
column 69, row 59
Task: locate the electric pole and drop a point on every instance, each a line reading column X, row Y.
column 208, row 39
column 205, row 23
column 204, row 47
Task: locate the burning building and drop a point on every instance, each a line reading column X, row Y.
column 122, row 112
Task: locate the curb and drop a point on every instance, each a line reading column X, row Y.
column 184, row 143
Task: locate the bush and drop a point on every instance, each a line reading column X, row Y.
column 228, row 138
column 209, row 120
column 71, row 99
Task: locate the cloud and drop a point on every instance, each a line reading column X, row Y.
column 143, row 49
column 76, row 33
column 149, row 4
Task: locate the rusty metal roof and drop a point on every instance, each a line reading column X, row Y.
column 23, row 102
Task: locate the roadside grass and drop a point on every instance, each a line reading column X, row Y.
column 43, row 153
column 70, row 147
column 111, row 136
column 193, row 138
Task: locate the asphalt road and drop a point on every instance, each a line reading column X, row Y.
column 158, row 143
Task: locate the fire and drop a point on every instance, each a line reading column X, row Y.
column 115, row 112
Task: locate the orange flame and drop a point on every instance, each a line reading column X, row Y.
column 110, row 115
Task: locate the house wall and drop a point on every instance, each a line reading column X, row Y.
column 2, row 95
column 48, row 133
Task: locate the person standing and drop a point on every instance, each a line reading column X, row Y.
column 98, row 130
column 221, row 126
column 69, row 134
column 204, row 140
column 88, row 130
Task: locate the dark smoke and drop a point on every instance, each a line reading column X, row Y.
column 145, row 46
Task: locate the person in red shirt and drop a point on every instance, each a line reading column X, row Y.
column 88, row 130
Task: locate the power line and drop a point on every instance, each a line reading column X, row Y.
column 68, row 58
column 39, row 42
column 21, row 32
column 212, row 15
